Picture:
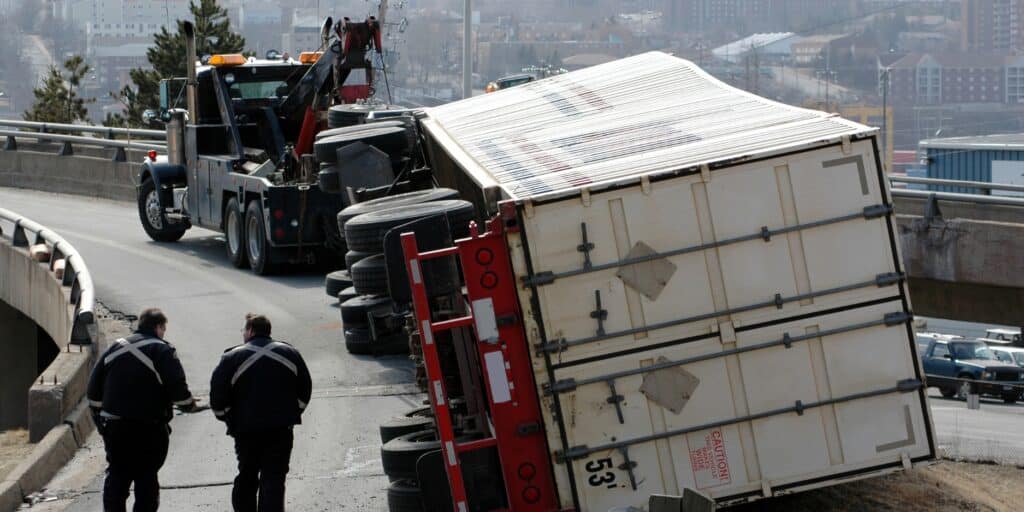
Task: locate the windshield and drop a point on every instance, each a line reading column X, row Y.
column 971, row 350
column 255, row 90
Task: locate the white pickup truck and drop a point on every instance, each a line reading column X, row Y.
column 683, row 286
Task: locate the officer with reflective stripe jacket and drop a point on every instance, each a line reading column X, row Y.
column 260, row 389
column 131, row 392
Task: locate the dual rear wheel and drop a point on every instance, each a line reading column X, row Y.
column 246, row 237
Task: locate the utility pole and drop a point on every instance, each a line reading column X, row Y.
column 885, row 118
column 467, row 57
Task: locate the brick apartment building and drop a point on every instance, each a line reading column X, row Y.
column 957, row 78
column 992, row 25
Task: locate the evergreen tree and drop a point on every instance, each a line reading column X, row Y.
column 167, row 57
column 57, row 100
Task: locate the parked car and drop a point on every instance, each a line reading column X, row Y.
column 958, row 367
column 1009, row 355
column 1011, row 336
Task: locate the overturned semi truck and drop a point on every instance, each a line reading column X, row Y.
column 677, row 289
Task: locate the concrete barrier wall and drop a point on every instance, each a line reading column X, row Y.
column 31, row 288
column 90, row 172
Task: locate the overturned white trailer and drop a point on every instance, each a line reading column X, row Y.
column 710, row 282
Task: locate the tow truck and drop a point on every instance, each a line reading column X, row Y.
column 238, row 158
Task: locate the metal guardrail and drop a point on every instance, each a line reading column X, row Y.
column 76, row 274
column 980, row 185
column 108, row 132
column 955, row 196
column 66, row 148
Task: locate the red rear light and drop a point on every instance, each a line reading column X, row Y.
column 152, row 155
column 278, row 214
column 527, row 471
column 279, row 233
column 531, row 494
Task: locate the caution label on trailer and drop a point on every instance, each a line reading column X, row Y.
column 709, row 461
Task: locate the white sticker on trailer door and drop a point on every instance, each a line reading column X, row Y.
column 709, row 461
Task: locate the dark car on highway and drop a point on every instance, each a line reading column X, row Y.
column 958, row 367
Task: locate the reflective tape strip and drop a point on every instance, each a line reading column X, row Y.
column 426, row 333
column 415, row 266
column 95, row 403
column 260, row 352
column 220, row 414
column 302, row 405
column 184, row 402
column 449, row 448
column 438, row 393
column 133, row 349
column 107, row 415
column 462, row 506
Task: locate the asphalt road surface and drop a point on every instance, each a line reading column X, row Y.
column 335, row 462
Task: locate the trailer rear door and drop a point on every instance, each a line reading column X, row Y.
column 743, row 331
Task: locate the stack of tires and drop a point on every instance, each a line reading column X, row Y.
column 369, row 317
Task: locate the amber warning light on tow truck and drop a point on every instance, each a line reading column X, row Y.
column 227, row 59
column 309, row 57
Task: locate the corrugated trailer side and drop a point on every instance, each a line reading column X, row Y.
column 741, row 329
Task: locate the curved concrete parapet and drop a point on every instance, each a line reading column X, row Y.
column 63, row 307
column 44, row 280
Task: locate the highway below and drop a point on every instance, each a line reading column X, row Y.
column 335, row 463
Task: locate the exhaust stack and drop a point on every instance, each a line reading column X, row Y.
column 190, row 67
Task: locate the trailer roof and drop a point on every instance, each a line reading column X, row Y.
column 648, row 114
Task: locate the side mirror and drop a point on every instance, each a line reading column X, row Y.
column 149, row 116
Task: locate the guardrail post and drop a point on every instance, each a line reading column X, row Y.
column 11, row 144
column 65, row 149
column 110, row 133
column 82, row 329
column 18, row 238
column 119, row 155
column 42, row 129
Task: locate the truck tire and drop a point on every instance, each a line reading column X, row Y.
column 330, row 132
column 421, row 418
column 399, row 455
column 405, row 496
column 1011, row 398
column 234, row 233
column 346, row 294
column 358, row 341
column 366, row 232
column 370, row 275
column 355, row 313
column 947, row 392
column 392, row 140
column 383, row 203
column 353, row 257
column 336, row 281
column 257, row 247
column 151, row 214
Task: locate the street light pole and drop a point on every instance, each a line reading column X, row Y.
column 467, row 60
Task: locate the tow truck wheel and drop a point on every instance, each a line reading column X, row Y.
column 257, row 247
column 154, row 220
column 234, row 235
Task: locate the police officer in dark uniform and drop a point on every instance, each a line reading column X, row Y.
column 260, row 389
column 131, row 391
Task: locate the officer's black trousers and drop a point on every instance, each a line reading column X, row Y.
column 135, row 453
column 262, row 467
